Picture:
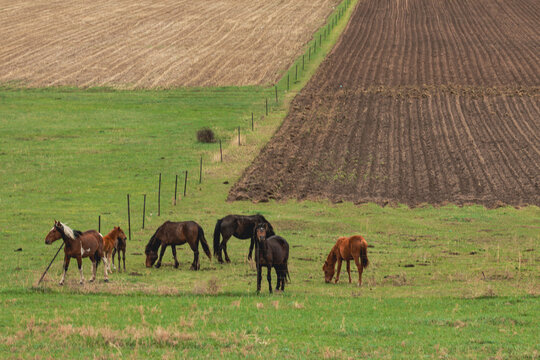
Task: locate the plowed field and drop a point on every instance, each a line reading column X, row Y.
column 420, row 101
column 147, row 44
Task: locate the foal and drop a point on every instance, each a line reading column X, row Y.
column 113, row 242
column 78, row 245
column 354, row 247
column 270, row 252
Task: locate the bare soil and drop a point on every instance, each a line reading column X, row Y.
column 149, row 44
column 420, row 102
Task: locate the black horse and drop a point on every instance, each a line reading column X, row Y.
column 239, row 226
column 272, row 252
column 176, row 233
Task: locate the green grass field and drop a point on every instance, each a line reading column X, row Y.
column 444, row 282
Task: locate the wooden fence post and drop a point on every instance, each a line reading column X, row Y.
column 159, row 197
column 129, row 218
column 143, row 210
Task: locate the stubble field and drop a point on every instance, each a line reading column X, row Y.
column 145, row 44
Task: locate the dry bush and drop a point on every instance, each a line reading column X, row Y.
column 206, row 135
column 211, row 287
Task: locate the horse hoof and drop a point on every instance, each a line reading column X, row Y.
column 176, row 265
column 158, row 266
column 106, row 280
column 61, row 283
column 92, row 280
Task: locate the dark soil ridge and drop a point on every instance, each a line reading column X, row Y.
column 367, row 128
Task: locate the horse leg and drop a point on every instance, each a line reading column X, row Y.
column 251, row 245
column 278, row 278
column 105, row 266
column 176, row 263
column 338, row 269
column 349, row 270
column 259, row 278
column 269, row 278
column 114, row 253
column 123, row 258
column 163, row 248
column 94, row 268
column 66, row 265
column 195, row 265
column 79, row 265
column 360, row 270
column 224, row 246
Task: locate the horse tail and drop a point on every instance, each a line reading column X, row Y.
column 217, row 234
column 287, row 273
column 363, row 254
column 203, row 242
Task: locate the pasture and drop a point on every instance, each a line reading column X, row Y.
column 443, row 282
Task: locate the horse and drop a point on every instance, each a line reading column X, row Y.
column 176, row 233
column 116, row 239
column 272, row 252
column 239, row 226
column 78, row 245
column 346, row 248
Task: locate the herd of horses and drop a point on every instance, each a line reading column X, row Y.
column 271, row 250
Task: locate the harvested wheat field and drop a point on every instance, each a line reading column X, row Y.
column 420, row 102
column 148, row 44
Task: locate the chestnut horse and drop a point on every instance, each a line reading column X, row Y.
column 112, row 242
column 354, row 247
column 176, row 233
column 239, row 226
column 78, row 245
column 272, row 252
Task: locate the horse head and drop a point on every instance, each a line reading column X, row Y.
column 151, row 251
column 329, row 266
column 261, row 232
column 53, row 235
column 120, row 236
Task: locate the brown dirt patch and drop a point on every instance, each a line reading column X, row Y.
column 454, row 117
column 148, row 44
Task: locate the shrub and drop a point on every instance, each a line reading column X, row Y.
column 205, row 135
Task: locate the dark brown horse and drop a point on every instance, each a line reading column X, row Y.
column 271, row 252
column 346, row 248
column 239, row 226
column 78, row 245
column 176, row 233
column 115, row 241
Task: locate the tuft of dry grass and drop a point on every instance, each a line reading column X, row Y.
column 211, row 287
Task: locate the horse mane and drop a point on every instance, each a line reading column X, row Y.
column 153, row 243
column 77, row 233
column 69, row 232
column 270, row 227
column 332, row 257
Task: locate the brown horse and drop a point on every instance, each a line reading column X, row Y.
column 354, row 247
column 176, row 233
column 272, row 252
column 78, row 245
column 112, row 242
column 239, row 226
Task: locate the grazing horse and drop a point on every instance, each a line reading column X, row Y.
column 239, row 226
column 271, row 252
column 112, row 242
column 346, row 248
column 78, row 245
column 176, row 233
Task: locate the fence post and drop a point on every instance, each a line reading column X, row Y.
column 175, row 188
column 185, row 184
column 200, row 172
column 99, row 224
column 287, row 81
column 129, row 218
column 276, row 93
column 266, row 106
column 143, row 210
column 159, row 197
column 221, row 151
column 239, row 136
